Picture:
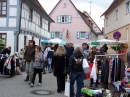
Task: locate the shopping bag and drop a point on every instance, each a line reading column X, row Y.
column 85, row 66
column 93, row 72
column 67, row 88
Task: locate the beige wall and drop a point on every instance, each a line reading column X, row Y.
column 124, row 36
column 123, row 18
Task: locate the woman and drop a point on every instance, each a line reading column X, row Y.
column 38, row 65
column 77, row 73
column 58, row 66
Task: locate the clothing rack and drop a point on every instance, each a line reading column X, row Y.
column 112, row 55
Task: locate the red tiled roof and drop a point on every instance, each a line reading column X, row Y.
column 114, row 2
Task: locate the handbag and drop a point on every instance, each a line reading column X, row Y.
column 85, row 66
column 65, row 69
column 67, row 88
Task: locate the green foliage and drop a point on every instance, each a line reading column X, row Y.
column 2, row 45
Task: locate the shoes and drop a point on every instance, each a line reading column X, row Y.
column 31, row 84
column 39, row 84
column 58, row 91
column 91, row 85
column 26, row 80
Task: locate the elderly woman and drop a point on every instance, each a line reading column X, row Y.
column 76, row 70
column 58, row 66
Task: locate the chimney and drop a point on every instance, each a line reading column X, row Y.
column 84, row 12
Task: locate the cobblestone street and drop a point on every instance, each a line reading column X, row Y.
column 17, row 87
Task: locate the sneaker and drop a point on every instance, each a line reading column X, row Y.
column 31, row 84
column 39, row 84
column 26, row 80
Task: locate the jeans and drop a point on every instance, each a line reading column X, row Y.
column 61, row 83
column 39, row 71
column 49, row 63
column 79, row 77
column 29, row 70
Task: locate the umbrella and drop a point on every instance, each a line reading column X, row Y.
column 45, row 41
column 57, row 41
column 95, row 43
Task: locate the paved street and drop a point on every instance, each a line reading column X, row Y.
column 16, row 87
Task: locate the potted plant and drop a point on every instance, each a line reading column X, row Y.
column 2, row 45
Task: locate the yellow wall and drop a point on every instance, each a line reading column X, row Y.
column 124, row 37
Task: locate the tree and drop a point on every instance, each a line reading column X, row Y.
column 2, row 45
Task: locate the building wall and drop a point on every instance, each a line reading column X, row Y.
column 123, row 17
column 21, row 42
column 100, row 37
column 125, row 36
column 76, row 25
column 10, row 40
column 33, row 26
column 10, row 22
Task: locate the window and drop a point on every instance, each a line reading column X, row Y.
column 82, row 35
column 3, row 36
column 30, row 14
column 41, row 22
column 107, row 21
column 117, row 14
column 64, row 19
column 95, row 28
column 57, row 34
column 128, row 7
column 3, row 8
column 64, row 5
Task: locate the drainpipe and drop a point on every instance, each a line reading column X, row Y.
column 17, row 35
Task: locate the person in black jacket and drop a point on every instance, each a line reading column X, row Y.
column 77, row 73
column 58, row 66
column 6, row 51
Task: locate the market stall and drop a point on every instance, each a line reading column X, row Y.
column 113, row 65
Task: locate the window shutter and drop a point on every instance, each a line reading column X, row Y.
column 86, row 35
column 58, row 19
column 61, row 35
column 52, row 35
column 78, row 35
column 69, row 19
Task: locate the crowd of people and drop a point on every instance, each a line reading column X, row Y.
column 63, row 61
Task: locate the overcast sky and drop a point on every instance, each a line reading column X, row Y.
column 97, row 8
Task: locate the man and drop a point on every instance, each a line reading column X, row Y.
column 69, row 49
column 29, row 57
column 6, row 51
column 27, row 77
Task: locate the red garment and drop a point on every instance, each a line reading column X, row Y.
column 88, row 74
